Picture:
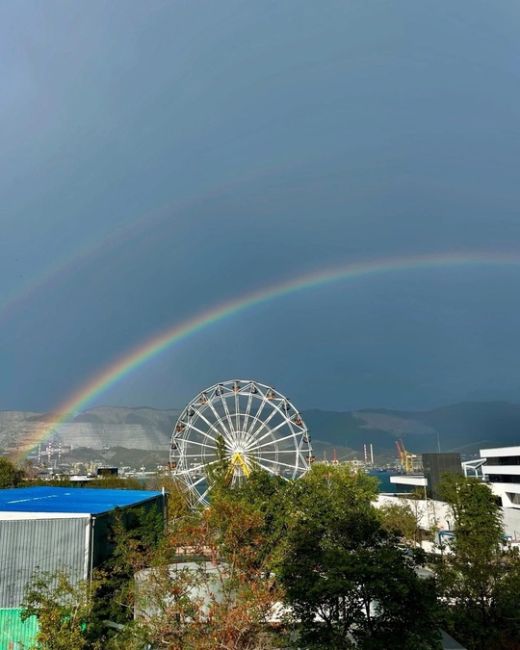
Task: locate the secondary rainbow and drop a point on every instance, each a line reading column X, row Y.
column 131, row 228
column 157, row 344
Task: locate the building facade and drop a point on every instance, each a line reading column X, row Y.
column 48, row 529
column 436, row 466
column 502, row 471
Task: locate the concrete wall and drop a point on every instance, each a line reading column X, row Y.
column 437, row 514
column 511, row 518
column 430, row 513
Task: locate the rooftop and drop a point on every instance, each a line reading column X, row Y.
column 409, row 479
column 500, row 451
column 87, row 501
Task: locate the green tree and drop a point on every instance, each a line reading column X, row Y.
column 477, row 523
column 346, row 580
column 133, row 540
column 74, row 615
column 222, row 603
column 399, row 520
column 263, row 497
column 479, row 578
column 10, row 475
column 179, row 495
column 64, row 613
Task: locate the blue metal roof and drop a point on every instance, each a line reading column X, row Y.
column 92, row 501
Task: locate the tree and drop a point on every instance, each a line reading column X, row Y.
column 179, row 495
column 10, row 475
column 134, row 539
column 190, row 608
column 215, row 578
column 346, row 580
column 399, row 520
column 263, row 498
column 64, row 612
column 479, row 578
column 74, row 614
column 209, row 587
column 477, row 522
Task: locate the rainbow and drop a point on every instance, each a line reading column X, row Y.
column 75, row 259
column 157, row 344
column 132, row 228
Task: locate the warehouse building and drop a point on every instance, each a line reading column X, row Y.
column 53, row 528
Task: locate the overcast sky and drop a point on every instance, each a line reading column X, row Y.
column 168, row 156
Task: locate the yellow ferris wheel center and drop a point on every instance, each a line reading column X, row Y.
column 238, row 461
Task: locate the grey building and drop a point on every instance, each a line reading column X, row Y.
column 54, row 528
column 435, row 466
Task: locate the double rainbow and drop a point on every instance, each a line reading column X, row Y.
column 156, row 345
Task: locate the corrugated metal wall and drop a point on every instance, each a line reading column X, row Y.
column 16, row 634
column 30, row 545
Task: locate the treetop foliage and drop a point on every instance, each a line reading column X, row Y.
column 479, row 576
column 10, row 475
column 316, row 550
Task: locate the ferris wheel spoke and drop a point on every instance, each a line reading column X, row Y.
column 203, row 496
column 267, row 469
column 272, row 442
column 205, row 434
column 197, row 467
column 278, row 462
column 248, row 437
column 217, row 416
column 278, row 426
column 247, row 413
column 287, row 419
column 199, row 480
column 237, row 414
column 277, row 408
column 210, row 425
column 284, row 415
column 200, row 444
column 263, row 424
column 256, row 417
column 271, row 431
column 231, row 431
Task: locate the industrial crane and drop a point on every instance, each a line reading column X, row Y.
column 406, row 458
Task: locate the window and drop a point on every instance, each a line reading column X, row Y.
column 504, row 478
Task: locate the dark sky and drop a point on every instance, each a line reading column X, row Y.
column 168, row 156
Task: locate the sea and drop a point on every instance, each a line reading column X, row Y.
column 383, row 476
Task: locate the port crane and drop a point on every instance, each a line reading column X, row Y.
column 406, row 458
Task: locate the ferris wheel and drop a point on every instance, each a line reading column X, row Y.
column 252, row 425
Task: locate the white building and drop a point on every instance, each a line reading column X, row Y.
column 409, row 480
column 500, row 467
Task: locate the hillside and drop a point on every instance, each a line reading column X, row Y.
column 463, row 427
column 97, row 428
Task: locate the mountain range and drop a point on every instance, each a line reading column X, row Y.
column 117, row 433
